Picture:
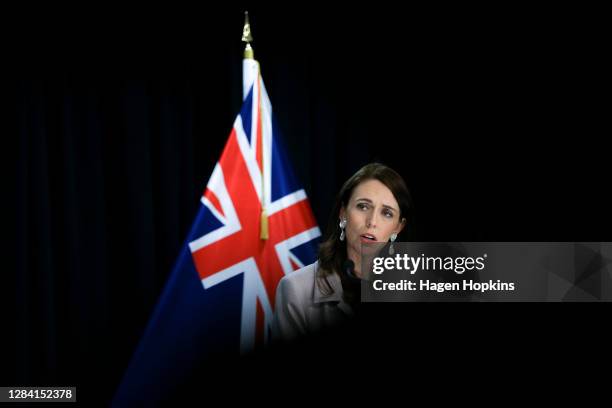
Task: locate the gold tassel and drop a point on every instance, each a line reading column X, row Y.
column 264, row 225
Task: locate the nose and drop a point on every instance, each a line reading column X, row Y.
column 371, row 221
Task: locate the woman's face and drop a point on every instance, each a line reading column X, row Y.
column 372, row 215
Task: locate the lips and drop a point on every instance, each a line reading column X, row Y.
column 368, row 237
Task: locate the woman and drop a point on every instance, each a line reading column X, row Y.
column 372, row 206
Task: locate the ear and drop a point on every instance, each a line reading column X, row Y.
column 402, row 224
column 342, row 213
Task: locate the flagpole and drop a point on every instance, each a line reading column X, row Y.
column 250, row 54
column 247, row 37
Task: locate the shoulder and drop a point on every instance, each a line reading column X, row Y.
column 299, row 284
column 302, row 276
column 304, row 286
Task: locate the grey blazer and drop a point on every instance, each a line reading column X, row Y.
column 302, row 308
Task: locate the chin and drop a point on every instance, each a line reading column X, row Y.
column 371, row 248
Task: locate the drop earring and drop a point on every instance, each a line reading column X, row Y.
column 391, row 249
column 342, row 226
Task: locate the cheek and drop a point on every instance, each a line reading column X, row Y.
column 353, row 226
column 355, row 219
column 392, row 226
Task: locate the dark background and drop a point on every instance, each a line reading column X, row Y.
column 115, row 119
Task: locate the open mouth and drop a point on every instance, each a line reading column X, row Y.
column 368, row 238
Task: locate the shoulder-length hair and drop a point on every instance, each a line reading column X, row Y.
column 332, row 251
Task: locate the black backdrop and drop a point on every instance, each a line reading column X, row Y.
column 116, row 120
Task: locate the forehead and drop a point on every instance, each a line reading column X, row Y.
column 376, row 191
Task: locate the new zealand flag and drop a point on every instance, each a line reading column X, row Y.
column 254, row 226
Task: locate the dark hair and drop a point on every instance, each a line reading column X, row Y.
column 332, row 251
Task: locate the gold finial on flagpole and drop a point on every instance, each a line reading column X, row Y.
column 247, row 37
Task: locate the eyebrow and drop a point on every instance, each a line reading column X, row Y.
column 370, row 201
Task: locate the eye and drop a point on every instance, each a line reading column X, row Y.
column 388, row 213
column 362, row 206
